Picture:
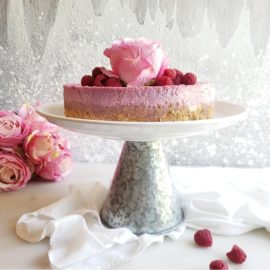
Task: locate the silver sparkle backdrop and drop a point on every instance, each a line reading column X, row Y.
column 44, row 44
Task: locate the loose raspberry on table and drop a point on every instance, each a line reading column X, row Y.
column 87, row 80
column 164, row 80
column 97, row 70
column 113, row 82
column 218, row 264
column 100, row 80
column 178, row 77
column 189, row 79
column 203, row 238
column 170, row 73
column 237, row 255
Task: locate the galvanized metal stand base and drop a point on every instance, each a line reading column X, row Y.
column 142, row 197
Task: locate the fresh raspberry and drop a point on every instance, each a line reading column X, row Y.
column 203, row 238
column 164, row 80
column 218, row 264
column 97, row 70
column 170, row 73
column 100, row 80
column 189, row 79
column 179, row 72
column 113, row 82
column 87, row 80
column 178, row 77
column 237, row 255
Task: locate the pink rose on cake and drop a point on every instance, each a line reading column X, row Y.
column 12, row 129
column 14, row 171
column 137, row 62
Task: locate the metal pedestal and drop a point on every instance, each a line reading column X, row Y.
column 142, row 197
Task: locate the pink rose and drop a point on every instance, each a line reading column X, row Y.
column 137, row 62
column 12, row 129
column 14, row 172
column 34, row 121
column 56, row 169
column 41, row 147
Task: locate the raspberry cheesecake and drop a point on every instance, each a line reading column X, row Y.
column 140, row 87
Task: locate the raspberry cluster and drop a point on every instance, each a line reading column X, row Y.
column 203, row 238
column 104, row 77
column 101, row 77
column 174, row 76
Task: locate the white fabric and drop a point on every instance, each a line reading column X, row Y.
column 226, row 201
column 77, row 237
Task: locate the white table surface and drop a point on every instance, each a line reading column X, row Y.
column 180, row 254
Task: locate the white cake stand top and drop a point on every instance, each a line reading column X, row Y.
column 226, row 114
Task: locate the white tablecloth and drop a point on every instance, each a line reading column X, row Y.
column 253, row 185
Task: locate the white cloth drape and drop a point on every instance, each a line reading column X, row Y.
column 226, row 201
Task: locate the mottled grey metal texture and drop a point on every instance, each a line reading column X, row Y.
column 142, row 197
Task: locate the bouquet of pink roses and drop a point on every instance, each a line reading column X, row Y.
column 30, row 145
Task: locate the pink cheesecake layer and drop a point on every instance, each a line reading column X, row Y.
column 182, row 95
column 100, row 100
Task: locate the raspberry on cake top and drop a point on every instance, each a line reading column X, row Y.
column 139, row 87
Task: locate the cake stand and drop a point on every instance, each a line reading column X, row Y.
column 142, row 196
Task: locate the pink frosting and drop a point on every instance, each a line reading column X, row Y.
column 183, row 95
